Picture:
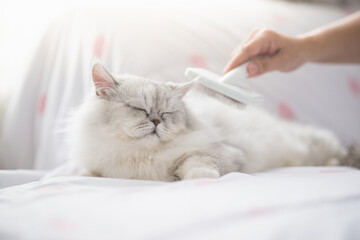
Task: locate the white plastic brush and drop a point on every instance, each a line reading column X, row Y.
column 225, row 88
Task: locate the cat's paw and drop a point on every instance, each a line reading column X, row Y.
column 86, row 173
column 201, row 172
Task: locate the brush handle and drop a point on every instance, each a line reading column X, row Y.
column 235, row 76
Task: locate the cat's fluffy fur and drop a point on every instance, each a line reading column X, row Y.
column 141, row 129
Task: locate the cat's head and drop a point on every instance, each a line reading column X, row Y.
column 145, row 111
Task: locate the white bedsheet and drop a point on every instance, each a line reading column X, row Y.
column 288, row 203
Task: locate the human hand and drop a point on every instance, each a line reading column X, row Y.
column 267, row 51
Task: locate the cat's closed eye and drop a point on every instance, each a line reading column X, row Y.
column 166, row 113
column 139, row 109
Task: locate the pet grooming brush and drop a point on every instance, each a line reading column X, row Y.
column 225, row 88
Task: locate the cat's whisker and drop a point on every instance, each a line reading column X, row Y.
column 166, row 134
column 144, row 128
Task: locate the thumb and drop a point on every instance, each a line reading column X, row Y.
column 263, row 65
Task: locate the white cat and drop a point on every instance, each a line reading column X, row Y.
column 141, row 129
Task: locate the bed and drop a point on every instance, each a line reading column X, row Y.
column 291, row 203
column 159, row 43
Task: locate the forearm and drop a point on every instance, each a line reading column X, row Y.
column 335, row 43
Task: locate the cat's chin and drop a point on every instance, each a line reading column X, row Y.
column 150, row 140
column 153, row 136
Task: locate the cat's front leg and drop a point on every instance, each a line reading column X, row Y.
column 198, row 167
column 202, row 172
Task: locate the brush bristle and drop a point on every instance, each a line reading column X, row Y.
column 222, row 98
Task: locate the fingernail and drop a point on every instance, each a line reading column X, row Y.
column 252, row 69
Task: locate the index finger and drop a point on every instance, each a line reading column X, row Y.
column 248, row 51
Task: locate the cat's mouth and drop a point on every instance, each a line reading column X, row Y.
column 154, row 133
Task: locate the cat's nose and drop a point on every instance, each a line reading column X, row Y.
column 155, row 121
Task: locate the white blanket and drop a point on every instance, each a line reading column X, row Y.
column 289, row 203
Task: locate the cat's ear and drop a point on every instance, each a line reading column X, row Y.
column 183, row 88
column 103, row 80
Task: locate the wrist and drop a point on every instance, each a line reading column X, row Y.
column 309, row 48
